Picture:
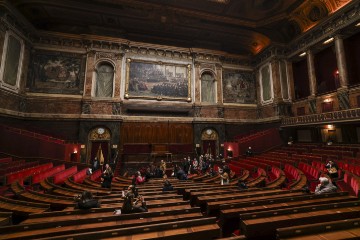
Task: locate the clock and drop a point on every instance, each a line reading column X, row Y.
column 209, row 132
column 100, row 131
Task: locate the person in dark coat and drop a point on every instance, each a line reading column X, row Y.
column 86, row 201
column 107, row 177
column 181, row 175
column 95, row 165
column 167, row 186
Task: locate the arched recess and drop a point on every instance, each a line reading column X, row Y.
column 208, row 87
column 209, row 141
column 103, row 79
column 99, row 142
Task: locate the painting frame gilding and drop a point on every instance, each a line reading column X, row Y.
column 12, row 61
column 55, row 72
column 154, row 80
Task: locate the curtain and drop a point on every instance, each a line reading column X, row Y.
column 209, row 146
column 96, row 148
column 104, row 81
column 207, row 88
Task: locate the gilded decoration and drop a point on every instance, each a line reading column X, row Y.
column 209, row 134
column 157, row 80
column 57, row 72
column 99, row 134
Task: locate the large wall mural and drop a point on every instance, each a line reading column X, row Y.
column 161, row 81
column 57, row 72
column 238, row 86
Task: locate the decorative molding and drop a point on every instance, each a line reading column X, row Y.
column 86, row 108
column 116, row 108
column 343, row 98
column 336, row 116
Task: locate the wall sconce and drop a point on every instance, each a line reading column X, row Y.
column 114, row 146
column 75, row 151
column 327, row 100
column 330, row 126
column 82, row 146
column 229, row 149
column 222, row 145
column 197, row 145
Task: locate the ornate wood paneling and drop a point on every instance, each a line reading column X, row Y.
column 160, row 132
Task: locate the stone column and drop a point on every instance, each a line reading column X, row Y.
column 219, row 86
column 290, row 80
column 89, row 73
column 311, row 71
column 275, row 70
column 341, row 61
column 197, row 83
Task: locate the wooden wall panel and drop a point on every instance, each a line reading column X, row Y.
column 162, row 132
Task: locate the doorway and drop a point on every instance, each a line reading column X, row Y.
column 209, row 142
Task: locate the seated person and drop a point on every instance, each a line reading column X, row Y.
column 167, row 186
column 181, row 175
column 325, row 186
column 86, row 201
column 242, row 185
column 332, row 169
column 133, row 204
column 138, row 178
column 225, row 179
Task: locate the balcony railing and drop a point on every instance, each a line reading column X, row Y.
column 336, row 116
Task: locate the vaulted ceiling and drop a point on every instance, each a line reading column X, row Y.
column 244, row 27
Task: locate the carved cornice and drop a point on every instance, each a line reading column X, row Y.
column 347, row 115
column 341, row 19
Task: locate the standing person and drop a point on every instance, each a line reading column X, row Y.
column 107, row 177
column 95, row 165
column 163, row 166
column 249, row 152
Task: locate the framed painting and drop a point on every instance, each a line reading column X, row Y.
column 157, row 80
column 57, row 72
column 12, row 58
column 238, row 86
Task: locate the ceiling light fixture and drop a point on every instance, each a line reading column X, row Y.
column 302, row 54
column 328, row 40
column 357, row 25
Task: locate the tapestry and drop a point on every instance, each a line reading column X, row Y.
column 238, row 86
